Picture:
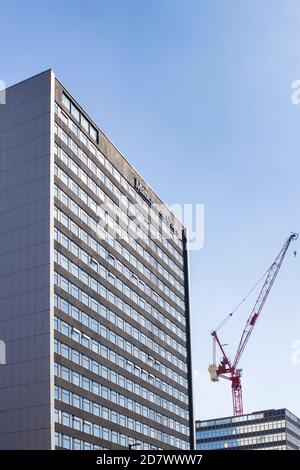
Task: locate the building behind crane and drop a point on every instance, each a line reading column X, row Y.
column 261, row 430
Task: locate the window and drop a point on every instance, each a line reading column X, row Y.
column 64, row 118
column 65, row 373
column 74, row 128
column 96, row 388
column 84, row 140
column 105, row 413
column 122, row 401
column 122, row 420
column 77, row 423
column 66, row 442
column 56, row 393
column 85, row 319
column 104, row 371
column 85, row 123
column 96, row 409
column 111, row 278
column 75, row 378
column 94, row 133
column 75, row 357
column 76, row 401
column 96, row 429
column 113, row 378
column 111, row 259
column 105, row 434
column 86, row 383
column 65, row 138
column 87, row 427
column 65, row 419
column 76, row 444
column 75, row 112
column 86, row 404
column 66, row 102
column 65, row 351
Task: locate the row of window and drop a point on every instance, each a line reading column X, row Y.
column 235, row 419
column 274, row 448
column 101, row 432
column 90, row 302
column 127, row 212
column 100, row 329
column 92, row 386
column 87, row 239
column 59, row 152
column 81, row 359
column 153, row 212
column 79, row 212
column 75, row 188
column 247, row 441
column 124, row 235
column 96, row 286
column 119, row 379
column 96, row 347
column 111, row 336
column 87, row 126
column 108, row 183
column 73, row 443
column 77, row 251
column 101, row 411
column 235, row 430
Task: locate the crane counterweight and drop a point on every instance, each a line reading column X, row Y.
column 213, row 370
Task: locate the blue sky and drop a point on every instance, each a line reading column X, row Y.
column 197, row 95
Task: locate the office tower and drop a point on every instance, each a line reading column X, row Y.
column 262, row 430
column 94, row 302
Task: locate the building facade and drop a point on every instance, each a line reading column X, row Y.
column 262, row 430
column 94, row 301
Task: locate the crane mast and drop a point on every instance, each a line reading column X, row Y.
column 229, row 370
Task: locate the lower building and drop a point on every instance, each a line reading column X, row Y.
column 261, row 430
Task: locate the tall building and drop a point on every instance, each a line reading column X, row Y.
column 262, row 430
column 94, row 302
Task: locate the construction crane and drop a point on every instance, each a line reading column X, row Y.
column 229, row 370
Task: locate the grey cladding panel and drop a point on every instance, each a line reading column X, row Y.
column 25, row 264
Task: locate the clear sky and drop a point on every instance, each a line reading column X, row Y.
column 197, row 95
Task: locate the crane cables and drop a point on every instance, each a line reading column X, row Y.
column 243, row 300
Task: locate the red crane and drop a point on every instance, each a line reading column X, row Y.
column 229, row 370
